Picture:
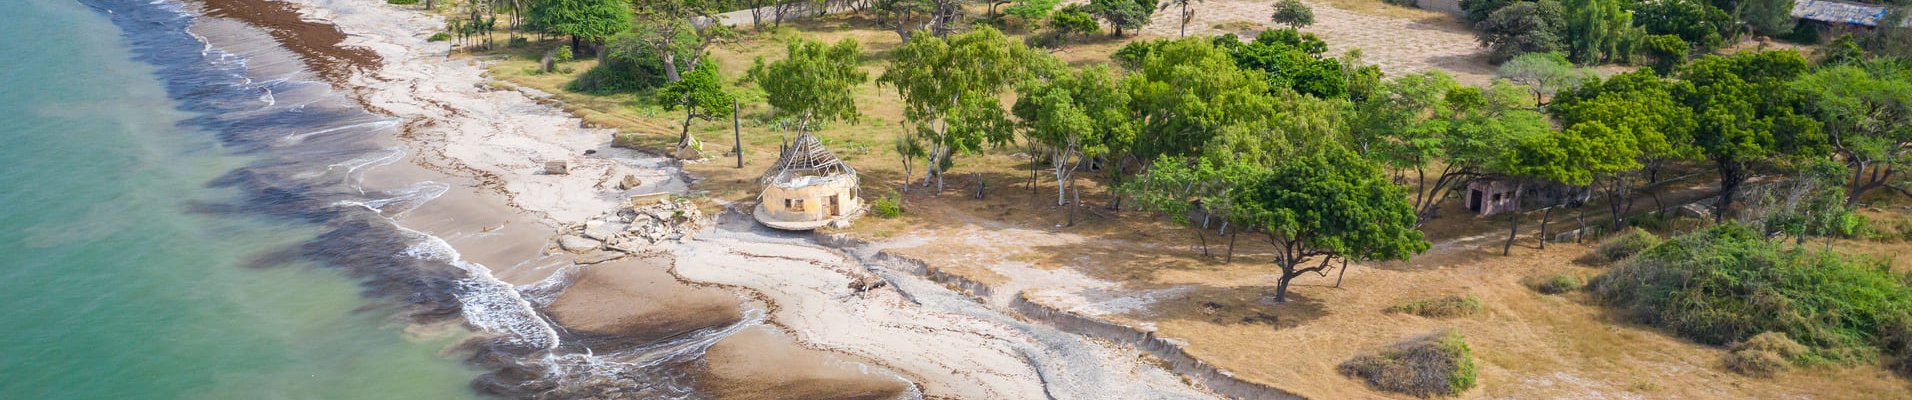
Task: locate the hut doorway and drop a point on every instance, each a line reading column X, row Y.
column 836, row 208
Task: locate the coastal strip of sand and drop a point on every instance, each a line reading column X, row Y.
column 734, row 312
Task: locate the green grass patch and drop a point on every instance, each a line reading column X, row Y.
column 401, row 2
column 1728, row 284
column 1435, row 365
column 887, row 207
column 1445, row 307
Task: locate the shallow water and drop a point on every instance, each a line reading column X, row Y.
column 126, row 275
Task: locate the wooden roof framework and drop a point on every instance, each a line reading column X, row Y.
column 805, row 156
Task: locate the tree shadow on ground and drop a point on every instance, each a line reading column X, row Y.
column 1240, row 305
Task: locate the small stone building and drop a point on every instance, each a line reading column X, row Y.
column 807, row 188
column 1492, row 197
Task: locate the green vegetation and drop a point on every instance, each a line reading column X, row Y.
column 1123, row 15
column 439, row 37
column 1437, row 365
column 887, row 207
column 1292, row 13
column 701, row 95
column 593, row 20
column 1626, row 244
column 1554, row 284
column 1444, row 307
column 1072, row 20
column 401, row 2
column 1728, row 283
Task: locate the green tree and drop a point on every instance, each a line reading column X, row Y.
column 593, row 20
column 1640, row 105
column 1292, row 13
column 666, row 26
column 1072, row 20
column 1867, row 110
column 1746, row 114
column 1478, row 10
column 1695, row 22
column 1524, row 27
column 814, row 82
column 1544, row 74
column 1597, row 30
column 1427, row 121
column 1325, row 206
column 701, row 94
column 1123, row 15
column 1292, row 60
column 1768, row 17
column 1667, row 51
column 1076, row 115
column 1185, row 93
column 950, row 90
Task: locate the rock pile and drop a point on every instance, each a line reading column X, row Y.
column 637, row 225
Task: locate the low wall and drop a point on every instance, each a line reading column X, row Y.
column 1169, row 350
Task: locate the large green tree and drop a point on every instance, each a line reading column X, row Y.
column 1292, row 13
column 1523, row 27
column 593, row 20
column 1746, row 114
column 1867, row 110
column 666, row 26
column 1123, row 15
column 1428, row 123
column 814, row 82
column 1076, row 115
column 951, row 90
column 1323, row 206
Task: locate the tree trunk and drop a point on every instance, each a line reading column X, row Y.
column 1513, row 229
column 1073, row 206
column 737, row 133
column 684, row 139
column 1343, row 274
column 670, row 65
column 574, row 45
column 1852, row 195
column 1731, row 175
column 1202, row 234
column 1231, row 246
column 1543, row 227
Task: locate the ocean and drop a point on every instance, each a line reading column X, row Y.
column 157, row 230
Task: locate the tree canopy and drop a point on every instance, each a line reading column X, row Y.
column 1292, row 13
column 1326, row 205
column 950, row 88
column 593, row 20
column 815, row 82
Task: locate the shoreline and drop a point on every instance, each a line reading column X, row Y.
column 756, row 336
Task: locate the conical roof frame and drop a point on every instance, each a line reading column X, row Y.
column 805, row 156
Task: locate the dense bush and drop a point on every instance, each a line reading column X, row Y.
column 887, row 207
column 1693, row 21
column 626, row 65
column 1436, row 365
column 439, row 37
column 401, row 2
column 1626, row 244
column 1728, row 283
column 1445, row 307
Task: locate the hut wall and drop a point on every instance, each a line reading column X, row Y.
column 809, row 203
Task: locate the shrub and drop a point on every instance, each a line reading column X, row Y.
column 401, row 2
column 1624, row 245
column 563, row 54
column 1435, row 365
column 1728, row 283
column 1553, row 284
column 626, row 64
column 1445, row 307
column 1765, row 354
column 887, row 207
column 439, row 37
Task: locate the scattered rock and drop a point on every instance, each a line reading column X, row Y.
column 629, row 182
column 557, row 168
column 578, row 244
column 840, row 223
column 590, row 152
column 598, row 257
column 689, row 153
column 602, row 230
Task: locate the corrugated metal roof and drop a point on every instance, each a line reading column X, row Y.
column 1840, row 12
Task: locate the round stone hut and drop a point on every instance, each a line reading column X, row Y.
column 807, row 188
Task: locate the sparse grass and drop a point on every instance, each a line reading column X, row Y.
column 1445, row 307
column 1626, row 244
column 1236, row 25
column 1554, row 284
column 1436, row 365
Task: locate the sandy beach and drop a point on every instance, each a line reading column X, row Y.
column 733, row 311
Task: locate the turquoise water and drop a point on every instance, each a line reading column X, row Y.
column 116, row 289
